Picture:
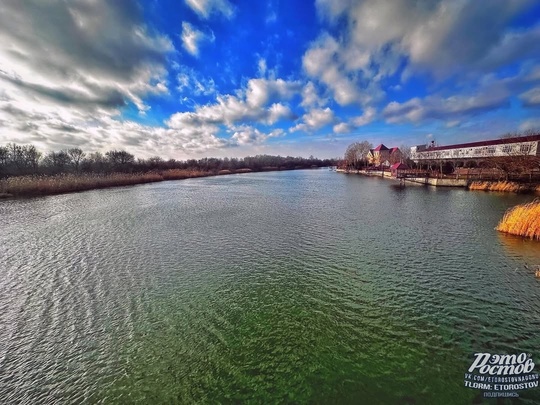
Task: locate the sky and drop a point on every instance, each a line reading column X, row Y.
column 213, row 78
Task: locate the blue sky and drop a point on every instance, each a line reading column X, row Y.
column 192, row 78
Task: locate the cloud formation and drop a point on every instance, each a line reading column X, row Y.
column 192, row 83
column 247, row 135
column 192, row 38
column 205, row 8
column 100, row 74
column 49, row 49
column 66, row 69
column 440, row 38
column 315, row 119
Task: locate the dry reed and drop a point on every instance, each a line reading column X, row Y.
column 504, row 186
column 181, row 174
column 23, row 186
column 66, row 183
column 522, row 220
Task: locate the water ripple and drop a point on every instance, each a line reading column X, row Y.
column 305, row 286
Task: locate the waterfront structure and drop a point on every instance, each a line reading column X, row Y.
column 383, row 156
column 398, row 168
column 483, row 150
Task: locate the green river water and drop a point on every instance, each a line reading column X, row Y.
column 285, row 287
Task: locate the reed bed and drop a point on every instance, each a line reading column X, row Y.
column 181, row 174
column 503, row 186
column 522, row 220
column 66, row 183
column 25, row 186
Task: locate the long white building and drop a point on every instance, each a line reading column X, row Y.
column 520, row 146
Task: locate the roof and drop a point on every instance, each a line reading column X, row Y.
column 392, row 150
column 501, row 141
column 380, row 147
column 399, row 166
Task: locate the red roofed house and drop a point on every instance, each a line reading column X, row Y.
column 397, row 167
column 381, row 155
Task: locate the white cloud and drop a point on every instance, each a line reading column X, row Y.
column 374, row 38
column 345, row 72
column 205, row 8
column 247, row 135
column 440, row 36
column 54, row 130
column 310, row 96
column 249, row 106
column 193, row 83
column 531, row 98
column 342, row 128
column 68, row 68
column 315, row 119
column 277, row 112
column 436, row 107
column 367, row 117
column 262, row 67
column 229, row 110
column 530, row 124
column 48, row 54
column 321, row 62
column 261, row 91
column 192, row 38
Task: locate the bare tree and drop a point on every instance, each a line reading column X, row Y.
column 356, row 153
column 120, row 159
column 57, row 161
column 31, row 156
column 4, row 155
column 76, row 155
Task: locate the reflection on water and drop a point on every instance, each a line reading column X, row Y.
column 286, row 287
column 521, row 248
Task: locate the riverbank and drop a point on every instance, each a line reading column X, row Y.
column 430, row 181
column 504, row 186
column 499, row 186
column 31, row 186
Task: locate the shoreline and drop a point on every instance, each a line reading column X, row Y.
column 40, row 186
column 469, row 184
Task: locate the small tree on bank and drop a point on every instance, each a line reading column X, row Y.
column 356, row 154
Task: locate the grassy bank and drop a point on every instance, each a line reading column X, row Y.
column 504, row 186
column 522, row 220
column 23, row 186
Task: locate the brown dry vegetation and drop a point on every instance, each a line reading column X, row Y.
column 65, row 183
column 181, row 174
column 522, row 220
column 505, row 186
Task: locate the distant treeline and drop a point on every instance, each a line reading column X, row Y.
column 22, row 160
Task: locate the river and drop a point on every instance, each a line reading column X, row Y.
column 283, row 287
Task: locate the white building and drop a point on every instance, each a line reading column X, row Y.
column 520, row 146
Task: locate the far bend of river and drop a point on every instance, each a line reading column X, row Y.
column 286, row 287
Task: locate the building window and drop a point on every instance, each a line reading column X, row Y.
column 525, row 149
